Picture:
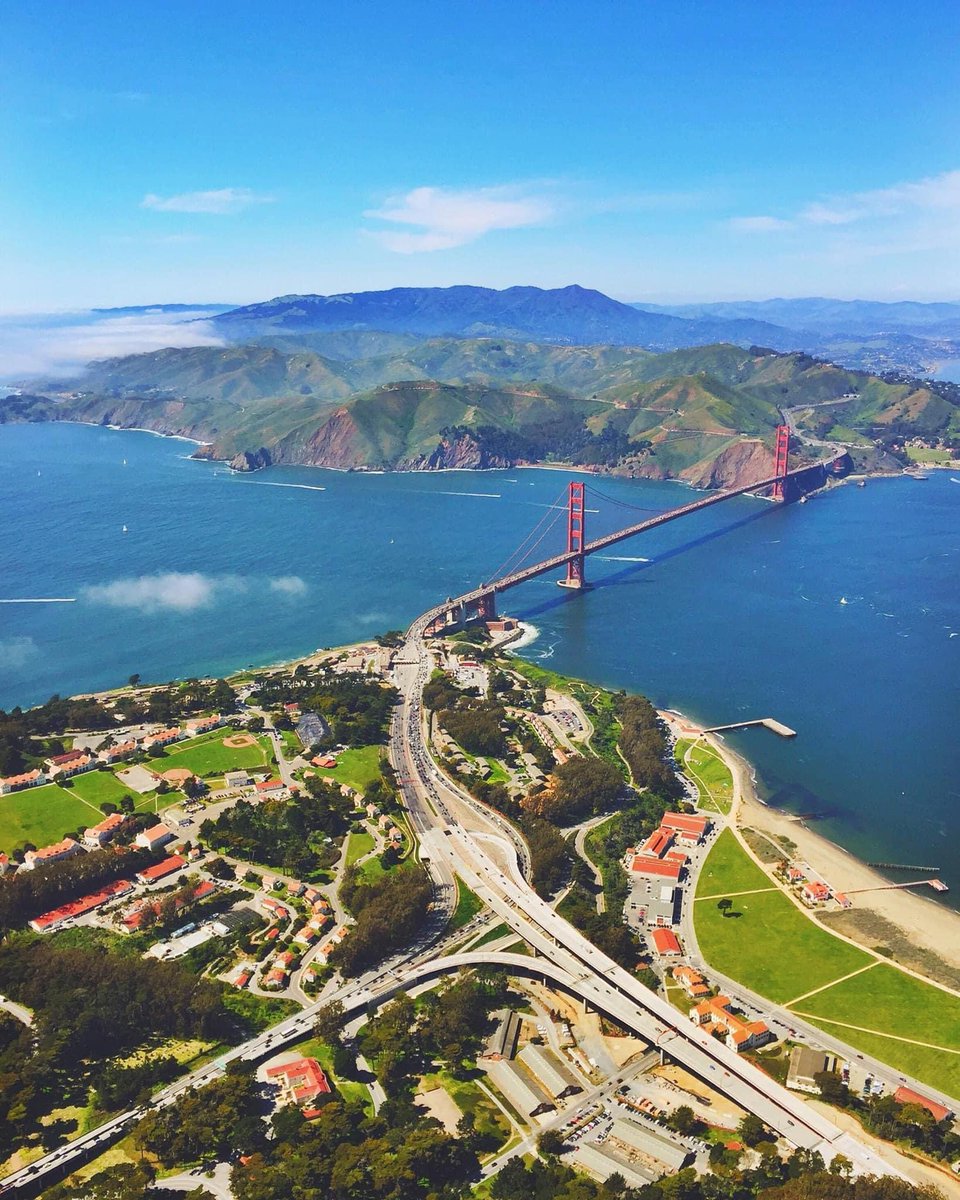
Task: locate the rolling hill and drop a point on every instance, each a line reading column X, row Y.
column 705, row 414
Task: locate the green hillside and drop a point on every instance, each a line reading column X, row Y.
column 395, row 401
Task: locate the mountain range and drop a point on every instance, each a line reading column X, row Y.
column 359, row 398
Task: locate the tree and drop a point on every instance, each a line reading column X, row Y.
column 329, row 1022
column 725, row 905
column 134, row 679
column 752, row 1130
column 551, row 1143
column 684, row 1120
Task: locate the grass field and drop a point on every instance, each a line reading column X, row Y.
column 359, row 845
column 890, row 1002
column 99, row 787
column 356, row 768
column 709, row 772
column 291, row 742
column 940, row 458
column 770, row 946
column 498, row 931
column 468, row 905
column 777, row 951
column 42, row 815
column 207, row 755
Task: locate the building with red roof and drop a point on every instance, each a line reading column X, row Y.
column 665, row 942
column 49, row 921
column 59, row 850
column 815, row 892
column 300, row 1082
column 665, row 868
column 266, row 786
column 97, row 835
column 161, row 870
column 658, row 843
column 114, row 754
column 688, row 827
column 717, row 1017
column 15, row 783
column 905, row 1095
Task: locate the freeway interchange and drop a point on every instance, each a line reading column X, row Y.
column 459, row 837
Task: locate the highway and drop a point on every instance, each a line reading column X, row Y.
column 433, row 802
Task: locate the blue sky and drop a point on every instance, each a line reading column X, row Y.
column 664, row 152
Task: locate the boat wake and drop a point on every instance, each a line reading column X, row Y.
column 307, row 487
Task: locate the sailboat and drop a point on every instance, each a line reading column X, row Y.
column 125, row 530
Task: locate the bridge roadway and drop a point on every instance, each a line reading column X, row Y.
column 515, row 578
column 432, row 801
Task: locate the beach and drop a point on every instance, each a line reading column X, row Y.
column 924, row 923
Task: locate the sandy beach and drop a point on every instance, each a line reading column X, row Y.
column 923, row 921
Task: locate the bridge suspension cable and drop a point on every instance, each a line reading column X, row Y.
column 533, row 538
column 621, row 503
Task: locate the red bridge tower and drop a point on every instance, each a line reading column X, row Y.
column 781, row 461
column 576, row 533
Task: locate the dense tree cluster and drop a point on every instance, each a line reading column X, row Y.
column 389, row 914
column 213, row 1124
column 800, row 1177
column 89, row 1002
column 28, row 893
column 345, row 1155
column 356, row 708
column 584, row 787
column 286, row 834
column 125, row 1181
column 475, row 725
column 644, row 744
column 895, row 1122
column 605, row 930
column 550, row 859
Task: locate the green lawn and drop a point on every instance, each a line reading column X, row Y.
column 888, row 1001
column 771, row 946
column 777, row 951
column 468, row 905
column 207, row 755
column 498, row 931
column 729, row 869
column 357, row 768
column 709, row 772
column 42, row 815
column 98, row 787
column 359, row 845
column 941, row 458
column 291, row 742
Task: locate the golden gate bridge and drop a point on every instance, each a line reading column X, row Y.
column 784, row 485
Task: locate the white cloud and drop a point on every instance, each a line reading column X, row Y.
column 62, row 344
column 288, row 585
column 219, row 201
column 447, row 218
column 933, row 197
column 182, row 592
column 16, row 652
column 759, row 224
column 172, row 591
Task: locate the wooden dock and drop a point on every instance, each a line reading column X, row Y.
column 770, row 723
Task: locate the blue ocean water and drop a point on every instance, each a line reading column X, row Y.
column 840, row 617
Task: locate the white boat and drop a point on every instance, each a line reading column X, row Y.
column 125, row 530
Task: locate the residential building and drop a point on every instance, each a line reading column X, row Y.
column 692, row 982
column 16, row 783
column 161, row 870
column 270, row 787
column 163, row 737
column 198, row 725
column 118, row 752
column 815, row 892
column 154, row 838
column 70, row 764
column 48, row 854
column 718, row 1018
column 99, row 835
column 49, row 921
column 300, row 1082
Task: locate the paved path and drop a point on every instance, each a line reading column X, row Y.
column 216, row 1182
column 24, row 1015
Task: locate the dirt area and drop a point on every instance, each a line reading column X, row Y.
column 440, row 1104
column 875, row 930
column 236, row 741
column 177, row 775
column 714, row 1107
column 918, row 1172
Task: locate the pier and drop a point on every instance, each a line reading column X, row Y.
column 770, row 723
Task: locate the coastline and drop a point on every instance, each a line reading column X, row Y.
column 925, row 923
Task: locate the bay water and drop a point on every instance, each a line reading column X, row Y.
column 840, row 617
